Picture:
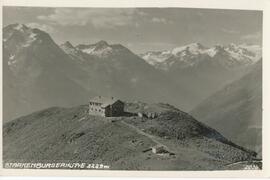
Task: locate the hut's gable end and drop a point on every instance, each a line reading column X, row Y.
column 117, row 108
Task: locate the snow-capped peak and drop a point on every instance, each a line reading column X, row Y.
column 193, row 48
column 218, row 48
column 21, row 38
column 243, row 54
column 236, row 49
column 159, row 57
column 67, row 44
column 19, row 27
column 101, row 49
column 72, row 51
column 154, row 57
column 192, row 53
column 256, row 49
column 98, row 49
column 23, row 35
column 102, row 43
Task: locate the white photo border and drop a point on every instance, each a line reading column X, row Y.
column 261, row 5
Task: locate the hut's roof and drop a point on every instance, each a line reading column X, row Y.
column 104, row 101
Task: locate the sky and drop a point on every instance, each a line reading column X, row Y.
column 142, row 29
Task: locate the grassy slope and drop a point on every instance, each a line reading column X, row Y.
column 61, row 134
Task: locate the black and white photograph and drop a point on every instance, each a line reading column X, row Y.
column 133, row 88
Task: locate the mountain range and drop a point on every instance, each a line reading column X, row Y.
column 230, row 56
column 39, row 73
column 201, row 71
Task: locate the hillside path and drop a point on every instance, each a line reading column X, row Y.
column 153, row 138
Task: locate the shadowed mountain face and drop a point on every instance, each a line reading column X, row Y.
column 71, row 135
column 115, row 71
column 236, row 110
column 38, row 73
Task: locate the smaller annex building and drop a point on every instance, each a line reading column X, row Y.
column 106, row 106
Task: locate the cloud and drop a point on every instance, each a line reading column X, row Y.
column 99, row 18
column 43, row 27
column 252, row 36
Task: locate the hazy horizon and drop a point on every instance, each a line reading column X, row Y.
column 142, row 29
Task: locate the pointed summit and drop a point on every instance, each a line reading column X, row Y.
column 69, row 48
column 102, row 43
column 67, row 44
column 17, row 36
column 233, row 47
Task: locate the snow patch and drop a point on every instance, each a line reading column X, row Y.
column 11, row 60
column 193, row 48
column 88, row 51
column 189, row 55
column 18, row 27
column 211, row 52
column 156, row 57
column 11, row 57
column 31, row 39
column 177, row 50
column 100, row 52
column 32, row 36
